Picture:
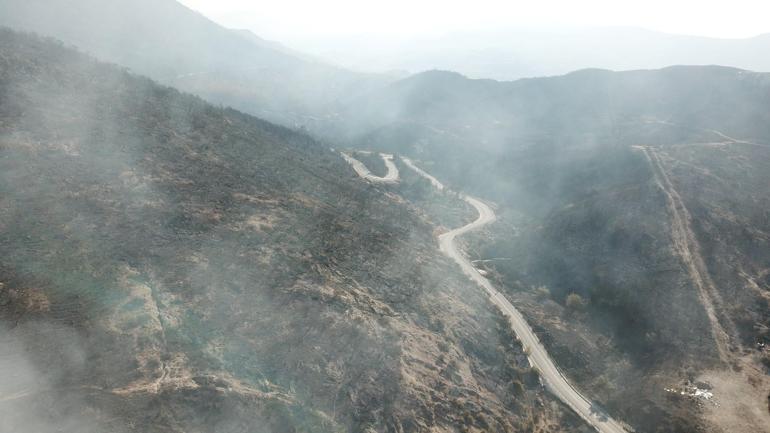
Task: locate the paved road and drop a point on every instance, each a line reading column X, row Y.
column 550, row 376
column 390, row 177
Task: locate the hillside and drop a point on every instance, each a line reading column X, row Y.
column 170, row 266
column 176, row 46
column 633, row 225
column 444, row 113
column 588, row 101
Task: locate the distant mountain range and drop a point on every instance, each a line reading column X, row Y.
column 520, row 53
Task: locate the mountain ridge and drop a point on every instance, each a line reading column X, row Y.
column 178, row 46
column 506, row 54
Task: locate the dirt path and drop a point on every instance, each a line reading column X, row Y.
column 688, row 249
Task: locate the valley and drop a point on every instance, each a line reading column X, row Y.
column 537, row 355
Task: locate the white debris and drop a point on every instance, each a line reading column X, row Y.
column 704, row 394
column 692, row 391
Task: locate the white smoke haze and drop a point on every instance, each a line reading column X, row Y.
column 506, row 40
column 741, row 18
column 40, row 364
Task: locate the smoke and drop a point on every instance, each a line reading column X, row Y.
column 40, row 364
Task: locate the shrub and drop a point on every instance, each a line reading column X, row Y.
column 575, row 302
column 542, row 293
column 516, row 388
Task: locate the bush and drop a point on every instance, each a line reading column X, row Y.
column 575, row 302
column 542, row 293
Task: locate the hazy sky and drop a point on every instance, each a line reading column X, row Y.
column 292, row 19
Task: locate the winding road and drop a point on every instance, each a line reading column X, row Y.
column 433, row 181
column 390, row 177
column 538, row 357
column 550, row 376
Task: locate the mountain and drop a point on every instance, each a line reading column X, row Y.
column 171, row 266
column 175, row 45
column 590, row 100
column 521, row 52
column 633, row 223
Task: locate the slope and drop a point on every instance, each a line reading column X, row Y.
column 169, row 266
